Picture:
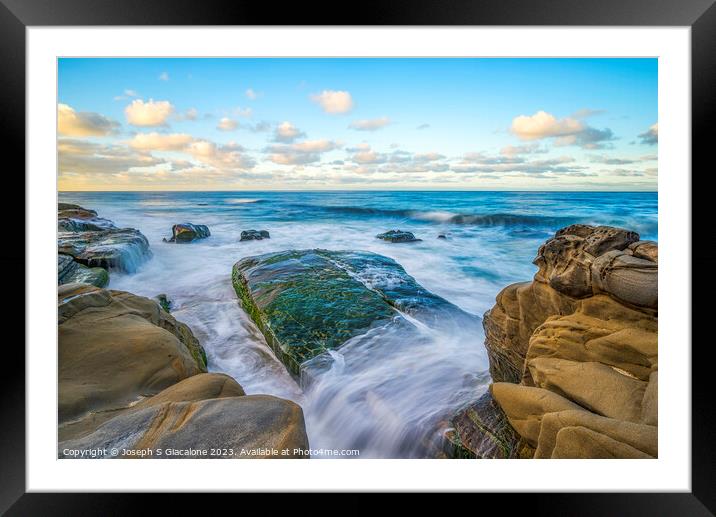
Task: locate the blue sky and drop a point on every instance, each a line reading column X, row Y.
column 305, row 123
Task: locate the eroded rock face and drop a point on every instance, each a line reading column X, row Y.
column 574, row 354
column 115, row 348
column 396, row 236
column 307, row 302
column 130, row 378
column 186, row 232
column 254, row 235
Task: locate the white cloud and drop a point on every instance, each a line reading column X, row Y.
column 334, row 102
column 565, row 131
column 150, row 113
column 73, row 123
column 243, row 112
column 227, row 124
column 370, row 124
column 164, row 76
column 512, row 151
column 287, row 133
column 160, row 142
column 544, row 125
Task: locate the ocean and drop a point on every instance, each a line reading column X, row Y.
column 388, row 408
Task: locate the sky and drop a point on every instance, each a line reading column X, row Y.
column 348, row 123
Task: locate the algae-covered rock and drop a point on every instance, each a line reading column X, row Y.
column 254, row 235
column 397, row 236
column 69, row 271
column 307, row 302
column 187, row 232
column 164, row 302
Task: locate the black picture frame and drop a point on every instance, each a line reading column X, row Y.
column 700, row 15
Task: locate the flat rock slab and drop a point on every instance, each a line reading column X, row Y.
column 122, row 249
column 307, row 302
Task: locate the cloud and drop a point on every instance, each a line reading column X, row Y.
column 544, row 125
column 227, row 124
column 127, row 94
column 73, row 123
column 190, row 114
column 164, row 76
column 150, row 113
column 83, row 157
column 651, row 135
column 243, row 112
column 512, row 151
column 565, row 131
column 252, row 94
column 334, row 102
column 586, row 112
column 287, row 133
column 160, row 142
column 481, row 163
column 301, row 153
column 423, row 126
column 608, row 160
column 369, row 124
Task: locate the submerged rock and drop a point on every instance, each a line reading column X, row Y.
column 187, row 232
column 574, row 353
column 396, row 236
column 69, row 271
column 254, row 235
column 307, row 302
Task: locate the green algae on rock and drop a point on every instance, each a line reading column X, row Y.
column 307, row 302
column 187, row 232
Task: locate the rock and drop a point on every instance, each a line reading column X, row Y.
column 69, row 271
column 628, row 278
column 579, row 347
column 482, row 431
column 187, row 232
column 195, row 388
column 307, row 302
column 254, row 235
column 74, row 218
column 243, row 426
column 123, row 249
column 164, row 302
column 397, row 236
column 442, row 236
column 116, row 348
column 638, row 436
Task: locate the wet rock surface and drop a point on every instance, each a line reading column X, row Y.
column 185, row 233
column 397, row 236
column 254, row 235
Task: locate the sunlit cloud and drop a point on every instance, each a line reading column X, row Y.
column 227, row 124
column 334, row 102
column 309, row 151
column 565, row 132
column 252, row 94
column 147, row 114
column 79, row 124
column 287, row 133
column 160, row 141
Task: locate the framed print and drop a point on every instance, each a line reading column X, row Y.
column 418, row 250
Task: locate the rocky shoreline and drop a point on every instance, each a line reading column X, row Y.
column 573, row 354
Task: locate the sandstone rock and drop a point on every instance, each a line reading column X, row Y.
column 628, row 278
column 202, row 386
column 115, row 348
column 639, row 436
column 254, row 235
column 582, row 342
column 583, row 443
column 594, row 386
column 397, row 236
column 187, row 232
column 235, row 426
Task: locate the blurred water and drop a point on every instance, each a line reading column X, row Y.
column 385, row 392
